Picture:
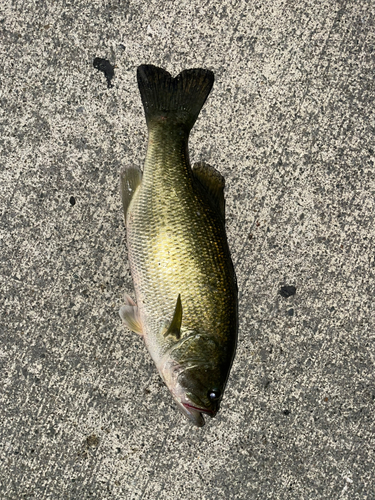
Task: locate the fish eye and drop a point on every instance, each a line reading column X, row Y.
column 214, row 394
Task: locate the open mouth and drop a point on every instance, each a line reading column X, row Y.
column 195, row 413
column 200, row 410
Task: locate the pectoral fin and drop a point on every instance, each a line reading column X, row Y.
column 175, row 326
column 130, row 315
column 213, row 183
column 130, row 179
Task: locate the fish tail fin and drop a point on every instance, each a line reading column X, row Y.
column 176, row 100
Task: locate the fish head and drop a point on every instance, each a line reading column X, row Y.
column 200, row 393
column 196, row 376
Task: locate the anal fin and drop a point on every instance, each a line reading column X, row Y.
column 213, row 183
column 129, row 314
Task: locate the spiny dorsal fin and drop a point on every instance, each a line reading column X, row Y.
column 129, row 314
column 175, row 326
column 213, row 183
column 130, row 179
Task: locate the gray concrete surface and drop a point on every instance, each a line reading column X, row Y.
column 290, row 124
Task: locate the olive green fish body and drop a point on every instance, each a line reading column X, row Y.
column 178, row 251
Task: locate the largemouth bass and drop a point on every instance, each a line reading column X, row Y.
column 184, row 281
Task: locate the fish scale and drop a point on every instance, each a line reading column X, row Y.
column 180, row 243
column 177, row 248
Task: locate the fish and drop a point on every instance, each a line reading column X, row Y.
column 186, row 296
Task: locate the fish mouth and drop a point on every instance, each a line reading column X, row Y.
column 200, row 410
column 195, row 413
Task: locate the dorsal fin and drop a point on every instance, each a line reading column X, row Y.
column 129, row 313
column 175, row 326
column 213, row 183
column 130, row 179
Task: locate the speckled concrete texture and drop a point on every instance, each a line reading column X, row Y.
column 290, row 124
